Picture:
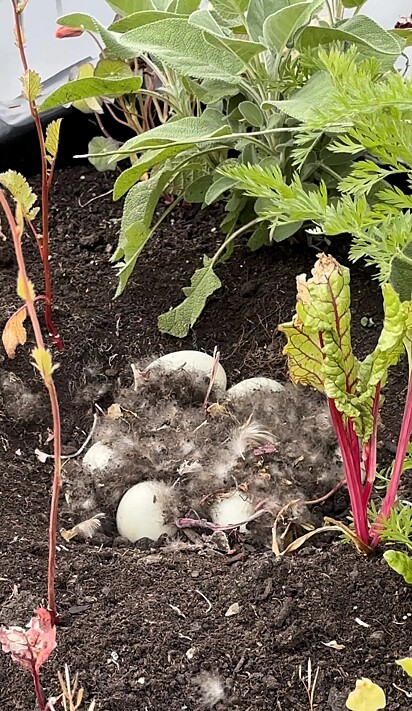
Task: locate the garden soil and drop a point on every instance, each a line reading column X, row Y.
column 146, row 627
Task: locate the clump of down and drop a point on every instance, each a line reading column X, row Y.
column 274, row 447
column 211, row 689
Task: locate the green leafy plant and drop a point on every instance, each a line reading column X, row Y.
column 366, row 114
column 320, row 354
column 226, row 74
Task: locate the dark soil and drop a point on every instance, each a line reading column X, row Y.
column 135, row 623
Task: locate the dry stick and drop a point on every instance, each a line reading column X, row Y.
column 45, row 181
column 16, row 234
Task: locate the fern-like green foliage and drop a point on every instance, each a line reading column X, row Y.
column 366, row 114
column 398, row 527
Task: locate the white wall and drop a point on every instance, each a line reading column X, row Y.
column 45, row 53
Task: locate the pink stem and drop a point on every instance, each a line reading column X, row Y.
column 403, row 442
column 370, row 450
column 346, row 443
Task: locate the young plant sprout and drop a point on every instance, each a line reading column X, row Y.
column 320, row 354
column 48, row 144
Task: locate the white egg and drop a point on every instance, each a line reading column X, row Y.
column 232, row 510
column 251, row 385
column 140, row 512
column 192, row 361
column 98, row 456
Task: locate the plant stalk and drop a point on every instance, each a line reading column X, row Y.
column 16, row 234
column 44, row 190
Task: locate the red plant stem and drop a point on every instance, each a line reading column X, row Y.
column 38, row 690
column 403, row 442
column 370, row 450
column 352, row 478
column 44, row 191
column 54, row 408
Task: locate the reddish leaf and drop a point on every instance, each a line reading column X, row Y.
column 30, row 647
column 14, row 333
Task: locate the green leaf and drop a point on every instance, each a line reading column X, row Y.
column 282, row 232
column 359, row 30
column 210, row 91
column 280, row 28
column 31, row 84
column 51, row 142
column 183, row 47
column 214, row 34
column 138, row 19
column 185, row 131
column 114, row 68
column 217, row 189
column 353, row 3
column 259, row 238
column 127, row 7
column 101, row 144
column 404, row 35
column 251, row 113
column 259, row 10
column 231, row 10
column 139, row 206
column 89, row 23
column 196, row 191
column 400, row 563
column 400, row 275
column 131, row 175
column 179, row 320
column 90, row 87
column 406, row 665
column 307, row 101
column 21, row 192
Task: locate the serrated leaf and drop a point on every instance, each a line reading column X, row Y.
column 21, row 192
column 91, row 88
column 43, row 363
column 406, row 665
column 99, row 145
column 31, row 84
column 401, row 563
column 179, row 320
column 14, row 333
column 21, row 291
column 183, row 47
column 51, row 143
column 367, row 696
